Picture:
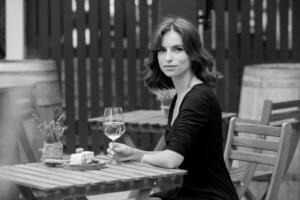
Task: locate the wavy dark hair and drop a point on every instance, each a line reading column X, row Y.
column 201, row 61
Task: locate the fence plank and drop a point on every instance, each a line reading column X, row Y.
column 106, row 52
column 143, row 51
column 245, row 34
column 81, row 72
column 69, row 71
column 131, row 54
column 232, row 70
column 220, row 50
column 296, row 30
column 153, row 103
column 271, row 30
column 284, row 51
column 94, row 69
column 207, row 25
column 31, row 30
column 119, row 51
column 55, row 35
column 94, row 24
column 43, row 29
column 154, row 14
column 245, row 40
column 258, row 35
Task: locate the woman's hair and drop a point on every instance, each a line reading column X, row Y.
column 201, row 61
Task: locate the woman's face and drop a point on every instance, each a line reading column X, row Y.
column 172, row 58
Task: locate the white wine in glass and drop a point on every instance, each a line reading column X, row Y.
column 113, row 123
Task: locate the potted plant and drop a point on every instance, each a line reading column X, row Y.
column 52, row 134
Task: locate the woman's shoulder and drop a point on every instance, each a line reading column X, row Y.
column 200, row 95
column 201, row 91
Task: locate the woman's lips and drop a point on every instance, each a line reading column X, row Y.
column 169, row 66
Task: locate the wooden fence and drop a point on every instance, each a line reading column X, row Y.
column 248, row 32
column 99, row 47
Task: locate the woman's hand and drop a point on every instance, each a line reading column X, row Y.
column 122, row 152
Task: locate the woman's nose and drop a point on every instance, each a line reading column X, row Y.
column 169, row 56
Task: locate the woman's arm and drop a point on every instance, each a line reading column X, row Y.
column 166, row 158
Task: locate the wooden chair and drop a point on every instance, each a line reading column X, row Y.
column 24, row 105
column 275, row 114
column 277, row 160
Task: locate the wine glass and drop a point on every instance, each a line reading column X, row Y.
column 113, row 124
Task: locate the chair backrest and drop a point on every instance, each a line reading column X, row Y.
column 276, row 113
column 277, row 160
column 24, row 105
column 27, row 103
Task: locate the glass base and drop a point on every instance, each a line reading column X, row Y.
column 115, row 162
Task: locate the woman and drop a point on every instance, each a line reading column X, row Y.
column 194, row 134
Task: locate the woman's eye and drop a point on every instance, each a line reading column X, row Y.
column 178, row 49
column 161, row 50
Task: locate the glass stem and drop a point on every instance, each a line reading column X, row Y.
column 114, row 160
column 113, row 143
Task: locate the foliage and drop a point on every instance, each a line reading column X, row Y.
column 52, row 131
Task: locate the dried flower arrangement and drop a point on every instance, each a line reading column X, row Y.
column 52, row 131
column 164, row 96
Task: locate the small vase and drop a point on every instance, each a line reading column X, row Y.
column 52, row 150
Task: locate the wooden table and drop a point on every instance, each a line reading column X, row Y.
column 58, row 183
column 152, row 121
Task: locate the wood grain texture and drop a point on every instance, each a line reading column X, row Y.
column 58, row 183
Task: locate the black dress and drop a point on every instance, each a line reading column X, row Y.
column 196, row 134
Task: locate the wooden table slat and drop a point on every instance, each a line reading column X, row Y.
column 57, row 174
column 94, row 175
column 141, row 172
column 159, row 171
column 102, row 172
column 79, row 175
column 45, row 174
column 26, row 182
column 127, row 173
column 36, row 181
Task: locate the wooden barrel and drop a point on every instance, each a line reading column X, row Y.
column 46, row 93
column 276, row 82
